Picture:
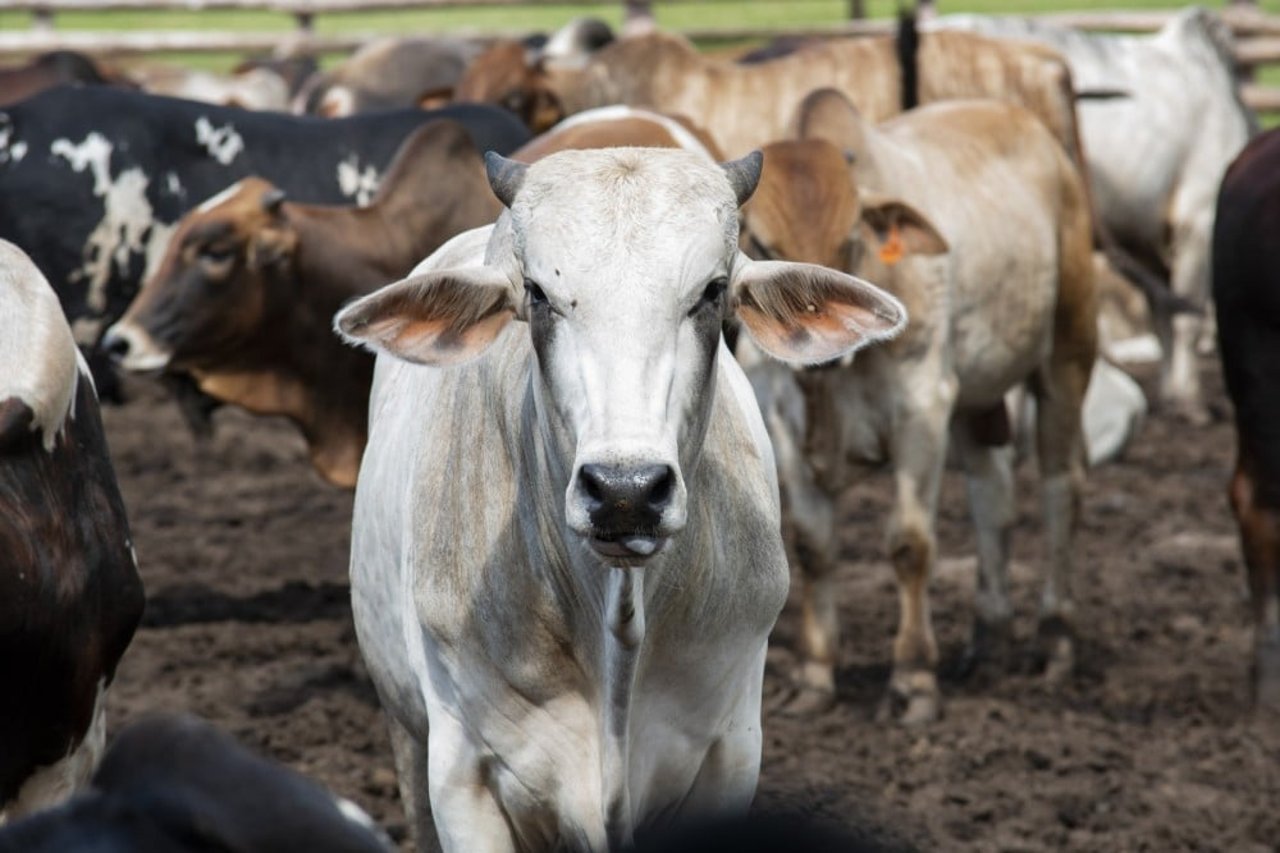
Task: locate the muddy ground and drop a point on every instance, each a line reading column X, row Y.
column 1151, row 747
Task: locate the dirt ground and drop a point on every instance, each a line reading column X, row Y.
column 1151, row 747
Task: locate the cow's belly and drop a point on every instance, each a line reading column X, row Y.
column 1002, row 334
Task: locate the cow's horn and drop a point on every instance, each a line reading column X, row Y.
column 744, row 174
column 272, row 199
column 505, row 176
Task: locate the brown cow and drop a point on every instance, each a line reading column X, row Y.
column 244, row 297
column 980, row 224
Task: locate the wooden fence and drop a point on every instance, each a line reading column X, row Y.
column 1257, row 34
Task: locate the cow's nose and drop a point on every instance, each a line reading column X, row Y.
column 116, row 345
column 625, row 499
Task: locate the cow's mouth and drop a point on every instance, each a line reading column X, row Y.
column 632, row 547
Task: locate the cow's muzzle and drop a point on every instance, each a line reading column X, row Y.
column 133, row 349
column 628, row 508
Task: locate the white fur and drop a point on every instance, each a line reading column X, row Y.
column 536, row 713
column 38, row 357
column 127, row 217
column 51, row 785
column 224, row 144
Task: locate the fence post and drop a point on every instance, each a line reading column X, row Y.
column 637, row 17
column 42, row 19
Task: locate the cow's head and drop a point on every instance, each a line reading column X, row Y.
column 809, row 205
column 623, row 264
column 513, row 76
column 211, row 292
column 810, row 208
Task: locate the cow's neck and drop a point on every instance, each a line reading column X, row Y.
column 335, row 432
column 624, row 627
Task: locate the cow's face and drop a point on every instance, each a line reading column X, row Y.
column 623, row 263
column 511, row 75
column 808, row 208
column 213, row 290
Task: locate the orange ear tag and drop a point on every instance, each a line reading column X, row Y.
column 892, row 250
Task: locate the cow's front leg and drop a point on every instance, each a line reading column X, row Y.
column 1260, row 541
column 919, row 447
column 809, row 518
column 986, row 454
column 468, row 816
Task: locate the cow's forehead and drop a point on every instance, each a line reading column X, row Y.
column 672, row 206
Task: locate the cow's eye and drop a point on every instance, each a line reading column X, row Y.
column 711, row 293
column 217, row 254
column 536, row 296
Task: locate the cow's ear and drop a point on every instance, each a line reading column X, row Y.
column 439, row 318
column 808, row 314
column 898, row 229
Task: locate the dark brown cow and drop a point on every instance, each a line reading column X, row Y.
column 49, row 70
column 245, row 294
column 70, row 596
column 1246, row 294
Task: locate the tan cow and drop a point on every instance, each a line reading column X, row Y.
column 746, row 106
column 973, row 217
column 244, row 296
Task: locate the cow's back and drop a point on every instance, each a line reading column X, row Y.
column 92, row 179
column 1246, row 293
column 994, row 181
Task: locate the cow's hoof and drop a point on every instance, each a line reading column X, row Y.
column 1190, row 412
column 990, row 648
column 806, row 701
column 1057, row 649
column 913, row 699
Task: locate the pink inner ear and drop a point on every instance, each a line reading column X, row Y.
column 438, row 341
column 827, row 332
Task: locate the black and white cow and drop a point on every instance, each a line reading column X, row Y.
column 70, row 596
column 92, row 179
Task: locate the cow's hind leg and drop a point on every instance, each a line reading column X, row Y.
column 1260, row 540
column 919, row 447
column 983, row 445
column 1060, row 390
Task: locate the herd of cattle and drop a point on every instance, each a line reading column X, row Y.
column 625, row 367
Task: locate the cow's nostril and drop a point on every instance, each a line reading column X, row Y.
column 593, row 479
column 660, row 487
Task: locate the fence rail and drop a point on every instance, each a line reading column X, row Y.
column 1257, row 35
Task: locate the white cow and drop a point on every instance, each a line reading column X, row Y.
column 1157, row 154
column 566, row 555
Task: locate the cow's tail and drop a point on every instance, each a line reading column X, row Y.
column 908, row 44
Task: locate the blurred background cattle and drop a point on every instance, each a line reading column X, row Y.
column 200, row 191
